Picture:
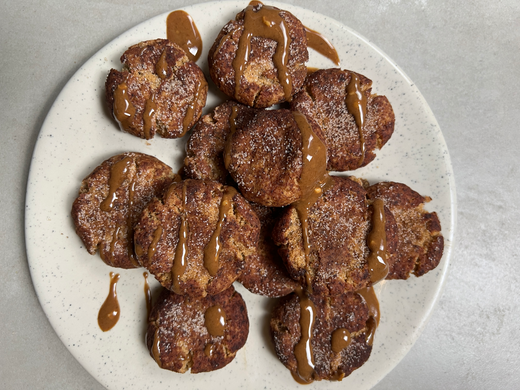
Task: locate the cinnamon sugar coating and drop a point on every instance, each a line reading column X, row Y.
column 179, row 93
column 157, row 236
column 259, row 84
column 204, row 150
column 347, row 311
column 323, row 98
column 421, row 243
column 177, row 331
column 339, row 223
column 264, row 273
column 266, row 158
column 111, row 231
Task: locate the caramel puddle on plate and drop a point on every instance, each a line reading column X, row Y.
column 109, row 312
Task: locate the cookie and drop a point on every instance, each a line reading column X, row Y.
column 110, row 202
column 201, row 334
column 196, row 239
column 159, row 91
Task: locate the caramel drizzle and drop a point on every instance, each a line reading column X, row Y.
column 356, row 102
column 109, row 312
column 153, row 245
column 340, row 339
column 232, row 130
column 118, row 174
column 147, row 295
column 214, row 246
column 156, row 348
column 264, row 21
column 215, row 320
column 303, row 349
column 369, row 295
column 150, row 110
column 209, row 350
column 180, row 260
column 181, row 29
column 190, row 112
column 161, row 67
column 377, row 244
column 314, row 179
column 322, row 45
column 124, row 110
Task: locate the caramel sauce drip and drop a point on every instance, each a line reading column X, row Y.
column 124, row 110
column 150, row 110
column 232, row 129
column 371, row 301
column 322, row 45
column 118, row 174
column 181, row 29
column 356, row 102
column 190, row 112
column 147, row 295
column 340, row 340
column 153, row 245
column 214, row 246
column 303, row 349
column 311, row 70
column 314, row 179
column 264, row 21
column 161, row 68
column 156, row 350
column 209, row 350
column 377, row 244
column 215, row 320
column 109, row 312
column 180, row 260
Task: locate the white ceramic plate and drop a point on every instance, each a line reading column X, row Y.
column 79, row 134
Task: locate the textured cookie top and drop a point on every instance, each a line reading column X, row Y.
column 421, row 243
column 265, row 157
column 205, row 147
column 325, row 98
column 202, row 334
column 264, row 273
column 110, row 202
column 196, row 239
column 158, row 91
column 339, row 224
column 347, row 312
column 265, row 49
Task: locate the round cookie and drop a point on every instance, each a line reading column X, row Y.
column 324, row 98
column 202, row 334
column 196, row 239
column 346, row 312
column 110, row 202
column 339, row 224
column 205, row 147
column 158, row 91
column 264, row 273
column 420, row 243
column 265, row 157
column 273, row 69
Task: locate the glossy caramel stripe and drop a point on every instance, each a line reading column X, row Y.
column 214, row 246
column 340, row 340
column 147, row 295
column 124, row 110
column 264, row 21
column 356, row 102
column 190, row 112
column 322, row 45
column 109, row 312
column 118, row 174
column 215, row 320
column 372, row 303
column 150, row 110
column 377, row 260
column 180, row 260
column 156, row 348
column 314, row 179
column 182, row 30
column 303, row 349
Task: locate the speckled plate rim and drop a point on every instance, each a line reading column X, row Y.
column 71, row 285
